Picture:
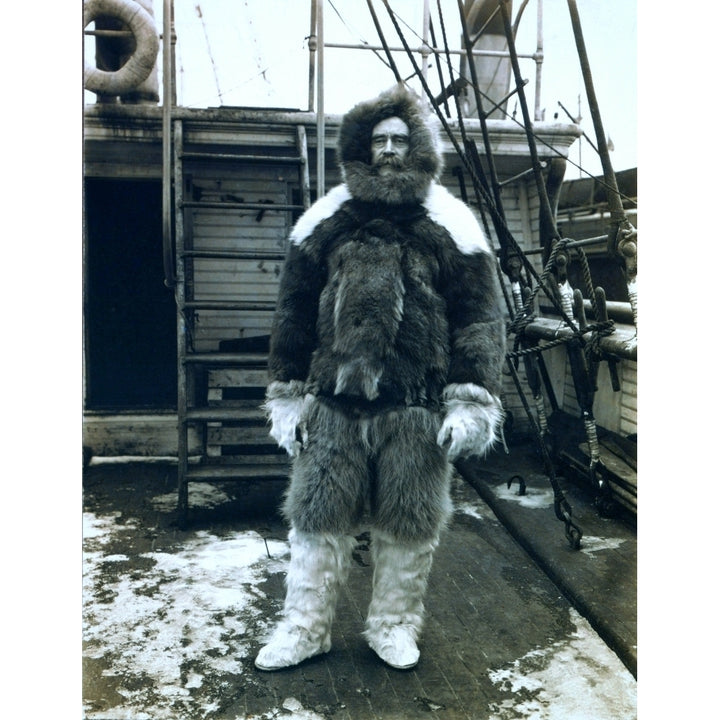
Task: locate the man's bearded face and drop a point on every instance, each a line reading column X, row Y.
column 389, row 144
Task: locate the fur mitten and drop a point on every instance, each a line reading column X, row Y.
column 472, row 422
column 284, row 404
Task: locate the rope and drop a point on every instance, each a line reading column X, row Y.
column 353, row 31
column 602, row 329
column 587, row 280
column 524, row 317
column 478, row 187
column 509, row 116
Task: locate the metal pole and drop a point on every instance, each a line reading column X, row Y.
column 539, row 61
column 426, row 31
column 168, row 98
column 430, row 49
column 181, row 340
column 312, row 48
column 320, row 101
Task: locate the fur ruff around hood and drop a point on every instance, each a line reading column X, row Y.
column 423, row 162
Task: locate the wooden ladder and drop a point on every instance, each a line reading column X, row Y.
column 227, row 269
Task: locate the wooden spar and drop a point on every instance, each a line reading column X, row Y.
column 622, row 241
column 614, row 203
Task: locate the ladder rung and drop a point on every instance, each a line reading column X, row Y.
column 247, row 456
column 237, row 359
column 235, row 254
column 238, row 472
column 239, row 157
column 226, row 414
column 242, row 305
column 240, row 206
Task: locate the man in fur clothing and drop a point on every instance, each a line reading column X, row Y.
column 385, row 361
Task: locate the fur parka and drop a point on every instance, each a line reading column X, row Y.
column 389, row 294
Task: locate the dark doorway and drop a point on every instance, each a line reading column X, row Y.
column 129, row 312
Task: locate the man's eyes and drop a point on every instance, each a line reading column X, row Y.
column 397, row 139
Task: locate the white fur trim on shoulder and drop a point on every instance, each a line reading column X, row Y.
column 320, row 210
column 457, row 218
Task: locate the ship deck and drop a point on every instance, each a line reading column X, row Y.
column 519, row 624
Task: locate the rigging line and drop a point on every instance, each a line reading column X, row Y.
column 477, row 186
column 379, row 31
column 476, row 182
column 258, row 54
column 518, row 15
column 594, row 147
column 497, row 211
column 471, row 170
column 509, row 116
column 260, row 73
column 616, row 210
column 209, row 49
column 435, row 52
column 545, row 209
column 540, row 279
column 437, row 64
column 461, row 125
column 567, row 112
column 501, row 230
column 481, row 115
column 479, row 33
column 497, row 106
column 196, row 103
column 502, row 110
column 354, row 32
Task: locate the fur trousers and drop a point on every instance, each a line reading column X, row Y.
column 387, row 464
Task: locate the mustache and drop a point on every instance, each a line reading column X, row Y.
column 390, row 161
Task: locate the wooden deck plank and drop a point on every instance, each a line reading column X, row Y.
column 491, row 614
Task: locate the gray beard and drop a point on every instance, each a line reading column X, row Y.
column 402, row 184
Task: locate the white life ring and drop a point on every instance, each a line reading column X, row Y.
column 142, row 61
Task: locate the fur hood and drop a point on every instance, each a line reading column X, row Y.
column 423, row 161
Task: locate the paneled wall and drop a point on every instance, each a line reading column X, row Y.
column 249, row 230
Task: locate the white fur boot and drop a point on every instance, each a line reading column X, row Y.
column 395, row 615
column 319, row 563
